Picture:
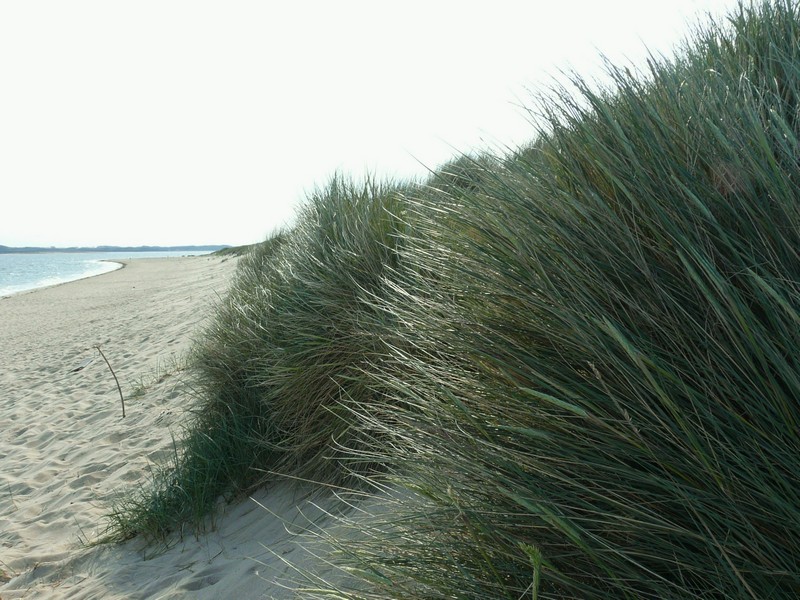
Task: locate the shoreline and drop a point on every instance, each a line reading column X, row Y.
column 102, row 257
column 39, row 288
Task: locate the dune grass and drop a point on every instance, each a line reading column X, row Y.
column 569, row 372
column 602, row 397
column 281, row 360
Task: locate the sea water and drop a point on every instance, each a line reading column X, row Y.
column 22, row 272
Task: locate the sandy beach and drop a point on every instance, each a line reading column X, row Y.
column 66, row 451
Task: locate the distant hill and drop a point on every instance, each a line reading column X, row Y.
column 38, row 249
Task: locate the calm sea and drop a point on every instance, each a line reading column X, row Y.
column 21, row 272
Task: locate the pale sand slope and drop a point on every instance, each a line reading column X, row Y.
column 65, row 451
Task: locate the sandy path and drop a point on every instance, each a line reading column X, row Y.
column 65, row 450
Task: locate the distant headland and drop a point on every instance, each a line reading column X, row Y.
column 41, row 249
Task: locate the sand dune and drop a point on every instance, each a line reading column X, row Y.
column 65, row 449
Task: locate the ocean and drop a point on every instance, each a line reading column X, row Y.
column 22, row 272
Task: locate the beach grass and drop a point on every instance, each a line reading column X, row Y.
column 238, row 250
column 284, row 358
column 567, row 372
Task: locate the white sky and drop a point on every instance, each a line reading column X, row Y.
column 189, row 122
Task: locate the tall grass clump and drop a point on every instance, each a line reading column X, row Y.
column 599, row 392
column 284, row 356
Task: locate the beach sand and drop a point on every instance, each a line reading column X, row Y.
column 66, row 451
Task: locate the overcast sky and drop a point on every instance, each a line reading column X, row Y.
column 191, row 122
